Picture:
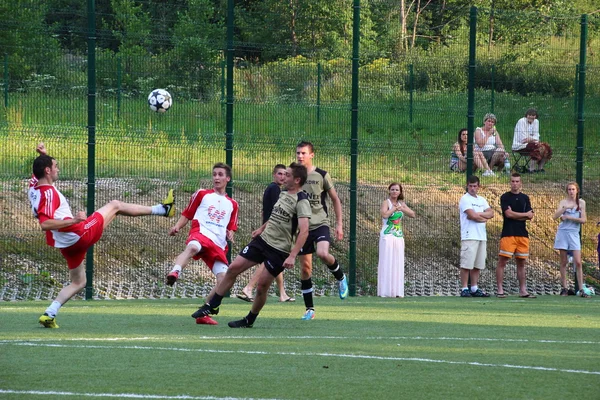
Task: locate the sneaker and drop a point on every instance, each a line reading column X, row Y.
column 169, row 204
column 465, row 293
column 585, row 292
column 564, row 292
column 205, row 310
column 308, row 315
column 48, row 322
column 343, row 288
column 489, row 172
column 242, row 323
column 172, row 277
column 478, row 293
column 206, row 321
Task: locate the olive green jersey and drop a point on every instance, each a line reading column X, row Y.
column 282, row 225
column 318, row 183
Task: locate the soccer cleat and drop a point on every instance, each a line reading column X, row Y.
column 169, row 204
column 172, row 277
column 205, row 311
column 479, row 293
column 206, row 321
column 48, row 322
column 242, row 323
column 308, row 315
column 343, row 288
column 564, row 292
column 465, row 293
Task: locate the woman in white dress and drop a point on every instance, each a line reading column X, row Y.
column 390, row 271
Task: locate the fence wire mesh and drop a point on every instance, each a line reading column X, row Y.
column 291, row 82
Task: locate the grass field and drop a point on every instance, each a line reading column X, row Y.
column 362, row 348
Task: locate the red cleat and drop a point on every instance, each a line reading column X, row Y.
column 206, row 321
column 172, row 278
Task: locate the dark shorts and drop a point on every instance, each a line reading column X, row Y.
column 259, row 251
column 315, row 236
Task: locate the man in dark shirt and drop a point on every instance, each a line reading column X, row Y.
column 516, row 211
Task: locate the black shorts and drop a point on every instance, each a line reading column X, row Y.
column 315, row 236
column 259, row 251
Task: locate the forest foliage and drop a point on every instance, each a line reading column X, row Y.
column 524, row 46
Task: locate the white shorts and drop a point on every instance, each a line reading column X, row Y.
column 567, row 240
column 473, row 254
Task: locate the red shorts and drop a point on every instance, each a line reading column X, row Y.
column 93, row 227
column 210, row 252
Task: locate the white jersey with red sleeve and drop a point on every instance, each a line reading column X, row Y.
column 48, row 203
column 212, row 214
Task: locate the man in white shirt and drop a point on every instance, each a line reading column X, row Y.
column 474, row 213
column 527, row 141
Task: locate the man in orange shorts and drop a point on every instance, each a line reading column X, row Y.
column 516, row 211
column 74, row 234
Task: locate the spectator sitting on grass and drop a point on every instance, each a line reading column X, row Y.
column 458, row 159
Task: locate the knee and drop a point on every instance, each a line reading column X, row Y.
column 322, row 254
column 79, row 283
column 116, row 204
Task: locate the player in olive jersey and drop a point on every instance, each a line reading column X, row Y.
column 318, row 185
column 272, row 244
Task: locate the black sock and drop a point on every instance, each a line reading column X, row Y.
column 251, row 317
column 336, row 270
column 215, row 302
column 307, row 292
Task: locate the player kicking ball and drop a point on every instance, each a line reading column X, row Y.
column 72, row 234
column 214, row 219
column 272, row 244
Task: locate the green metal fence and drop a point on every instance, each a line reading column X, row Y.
column 386, row 109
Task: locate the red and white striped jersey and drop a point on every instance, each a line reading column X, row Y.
column 212, row 214
column 48, row 203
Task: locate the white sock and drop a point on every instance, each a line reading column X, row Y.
column 53, row 308
column 176, row 268
column 465, row 288
column 473, row 289
column 159, row 209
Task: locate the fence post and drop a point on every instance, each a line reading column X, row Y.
column 411, row 88
column 91, row 189
column 229, row 107
column 354, row 146
column 576, row 91
column 6, row 80
column 119, row 88
column 318, row 92
column 223, row 101
column 471, row 89
column 493, row 88
column 581, row 111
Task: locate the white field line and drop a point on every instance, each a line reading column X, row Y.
column 392, row 338
column 122, row 395
column 282, row 353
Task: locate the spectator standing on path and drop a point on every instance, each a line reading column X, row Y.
column 516, row 211
column 571, row 212
column 390, row 269
column 475, row 212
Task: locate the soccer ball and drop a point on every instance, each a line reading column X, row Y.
column 160, row 100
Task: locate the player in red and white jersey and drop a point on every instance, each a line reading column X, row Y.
column 214, row 219
column 74, row 234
